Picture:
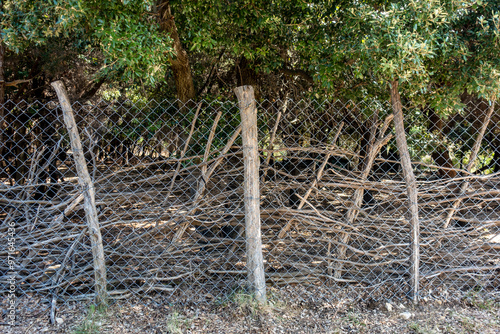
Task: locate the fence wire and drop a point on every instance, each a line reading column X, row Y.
column 169, row 194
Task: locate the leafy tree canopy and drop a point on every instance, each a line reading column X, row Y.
column 436, row 49
column 125, row 32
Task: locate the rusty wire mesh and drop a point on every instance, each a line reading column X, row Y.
column 168, row 181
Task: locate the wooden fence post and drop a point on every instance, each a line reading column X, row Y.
column 411, row 189
column 255, row 260
column 88, row 192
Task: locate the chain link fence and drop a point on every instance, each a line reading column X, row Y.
column 169, row 194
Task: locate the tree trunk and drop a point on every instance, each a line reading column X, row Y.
column 441, row 157
column 246, row 76
column 180, row 64
column 91, row 89
column 411, row 188
column 441, row 153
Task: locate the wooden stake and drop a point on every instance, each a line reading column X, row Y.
column 255, row 260
column 411, row 188
column 88, row 193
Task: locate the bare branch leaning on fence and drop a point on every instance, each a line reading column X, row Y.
column 88, row 194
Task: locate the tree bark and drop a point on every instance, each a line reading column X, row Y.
column 91, row 89
column 301, row 73
column 246, row 76
column 180, row 64
column 411, row 188
column 441, row 157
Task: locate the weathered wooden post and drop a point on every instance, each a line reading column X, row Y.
column 411, row 189
column 88, row 193
column 255, row 260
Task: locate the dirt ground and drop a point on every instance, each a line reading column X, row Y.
column 240, row 314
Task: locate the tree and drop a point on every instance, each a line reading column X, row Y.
column 131, row 46
column 179, row 61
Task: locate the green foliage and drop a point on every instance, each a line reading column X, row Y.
column 125, row 32
column 437, row 49
column 93, row 321
column 176, row 322
column 265, row 32
column 393, row 40
column 424, row 44
column 230, row 119
column 480, row 30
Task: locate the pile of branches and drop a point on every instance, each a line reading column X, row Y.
column 168, row 224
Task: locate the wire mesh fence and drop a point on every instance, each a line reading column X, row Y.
column 169, row 194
